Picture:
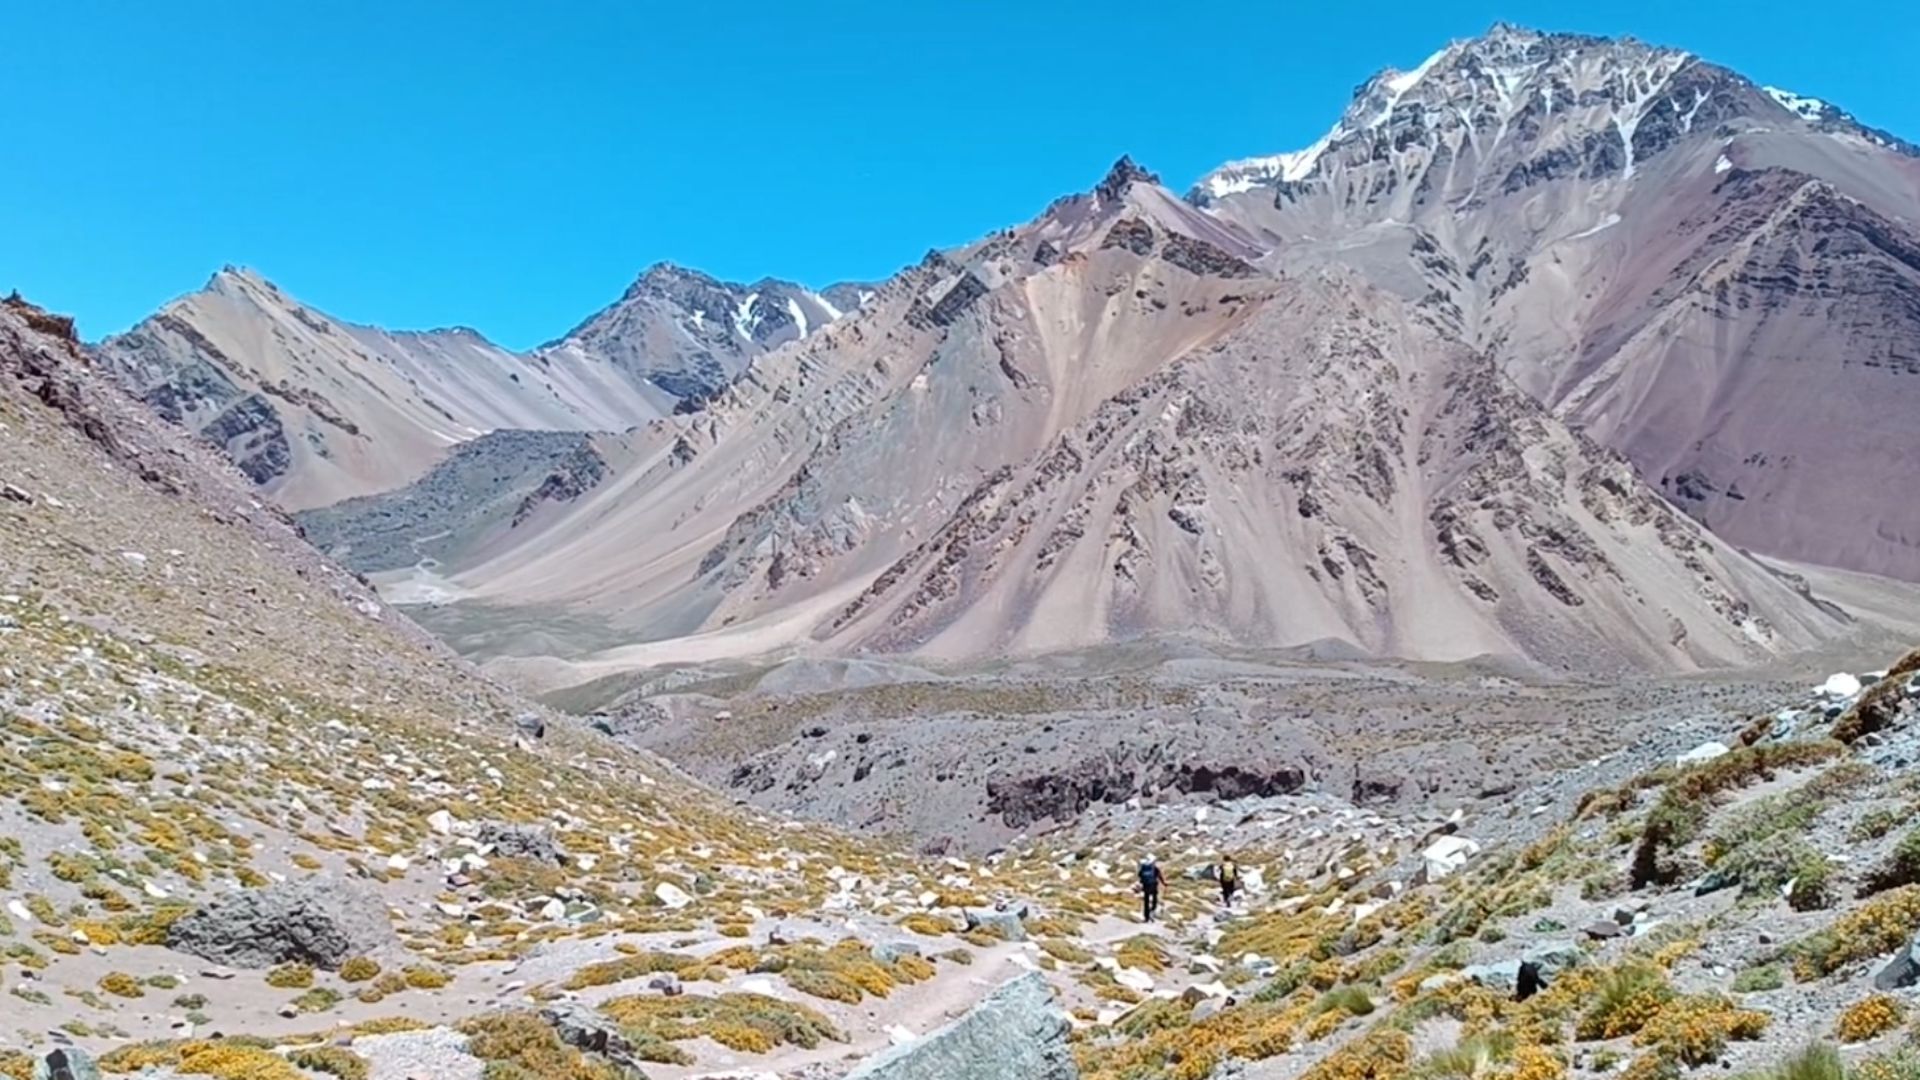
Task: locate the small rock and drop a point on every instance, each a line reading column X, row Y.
column 1840, row 685
column 1448, row 855
column 441, row 822
column 1008, row 924
column 1602, row 930
column 671, row 895
column 1705, row 752
column 890, row 952
column 14, row 494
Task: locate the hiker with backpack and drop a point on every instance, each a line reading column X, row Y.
column 1229, row 874
column 1149, row 888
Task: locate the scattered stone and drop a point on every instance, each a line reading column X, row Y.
column 1603, row 930
column 1134, row 979
column 1016, row 1031
column 1839, row 685
column 441, row 822
column 1448, row 855
column 667, row 983
column 890, row 952
column 14, row 494
column 1008, row 924
column 671, row 895
column 316, row 921
column 1705, row 752
column 530, row 725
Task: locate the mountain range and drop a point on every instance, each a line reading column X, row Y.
column 1522, row 358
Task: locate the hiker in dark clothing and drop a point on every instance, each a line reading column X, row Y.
column 1149, row 889
column 1229, row 873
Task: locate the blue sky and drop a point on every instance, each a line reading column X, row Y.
column 511, row 166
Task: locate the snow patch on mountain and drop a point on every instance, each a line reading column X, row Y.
column 1805, row 107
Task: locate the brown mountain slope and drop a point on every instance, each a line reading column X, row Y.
column 1109, row 424
column 315, row 410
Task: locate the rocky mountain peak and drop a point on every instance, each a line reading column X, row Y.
column 1124, row 174
column 1537, row 101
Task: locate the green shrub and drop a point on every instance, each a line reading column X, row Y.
column 1757, row 979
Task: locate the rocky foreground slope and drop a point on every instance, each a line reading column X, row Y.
column 254, row 827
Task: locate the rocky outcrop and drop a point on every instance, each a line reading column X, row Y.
column 487, row 486
column 1017, row 1031
column 315, row 921
column 1064, row 794
column 518, row 842
column 588, row 1029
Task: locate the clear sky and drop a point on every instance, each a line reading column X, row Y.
column 511, row 166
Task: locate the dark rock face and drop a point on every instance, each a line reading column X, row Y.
column 950, row 304
column 1132, row 234
column 498, row 480
column 1063, row 794
column 1202, row 258
column 1017, row 1031
column 588, row 1029
column 1122, row 176
column 314, row 921
column 249, row 431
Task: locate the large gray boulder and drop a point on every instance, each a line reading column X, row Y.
column 591, row 1030
column 1901, row 972
column 316, row 921
column 1503, row 976
column 1017, row 1031
column 66, row 1063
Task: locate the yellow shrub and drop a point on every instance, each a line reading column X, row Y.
column 737, row 1036
column 1694, row 1030
column 359, row 969
column 1325, row 1024
column 1536, row 1063
column 928, row 925
column 293, row 976
column 1869, row 1017
column 1882, row 925
column 232, row 1061
column 1379, row 1055
column 137, row 1056
column 387, row 1025
column 121, row 984
column 914, row 968
column 422, row 978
